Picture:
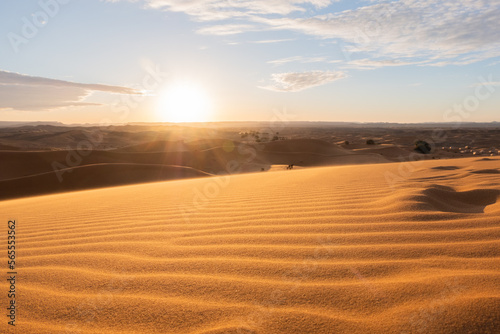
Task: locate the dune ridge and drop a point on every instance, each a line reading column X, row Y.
column 320, row 250
column 93, row 176
column 22, row 169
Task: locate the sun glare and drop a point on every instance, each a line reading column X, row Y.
column 184, row 102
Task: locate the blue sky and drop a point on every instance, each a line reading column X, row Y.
column 79, row 61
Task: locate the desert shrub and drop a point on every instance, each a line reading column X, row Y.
column 346, row 142
column 423, row 147
column 370, row 142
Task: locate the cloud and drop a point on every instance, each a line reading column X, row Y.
column 227, row 29
column 212, row 10
column 437, row 32
column 23, row 92
column 433, row 32
column 298, row 81
column 272, row 41
column 299, row 59
column 367, row 63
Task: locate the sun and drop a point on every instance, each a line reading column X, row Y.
column 184, row 102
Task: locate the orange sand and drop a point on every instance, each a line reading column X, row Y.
column 386, row 248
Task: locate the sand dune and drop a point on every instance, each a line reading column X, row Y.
column 386, row 248
column 92, row 176
column 307, row 159
column 155, row 146
column 314, row 146
column 8, row 148
column 22, row 171
column 19, row 164
column 387, row 151
column 205, row 144
column 313, row 152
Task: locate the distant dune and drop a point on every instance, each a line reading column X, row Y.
column 387, row 151
column 378, row 248
column 210, row 156
column 155, row 146
column 313, row 152
column 17, row 164
column 205, row 144
column 8, row 148
column 309, row 146
column 92, row 176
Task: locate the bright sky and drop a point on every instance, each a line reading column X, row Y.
column 79, row 61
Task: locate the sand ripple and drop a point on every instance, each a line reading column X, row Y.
column 323, row 250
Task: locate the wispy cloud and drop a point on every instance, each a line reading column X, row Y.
column 24, row 92
column 376, row 34
column 436, row 31
column 272, row 41
column 227, row 29
column 441, row 32
column 212, row 10
column 374, row 64
column 299, row 59
column 298, row 81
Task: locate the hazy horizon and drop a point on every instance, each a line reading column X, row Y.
column 257, row 123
